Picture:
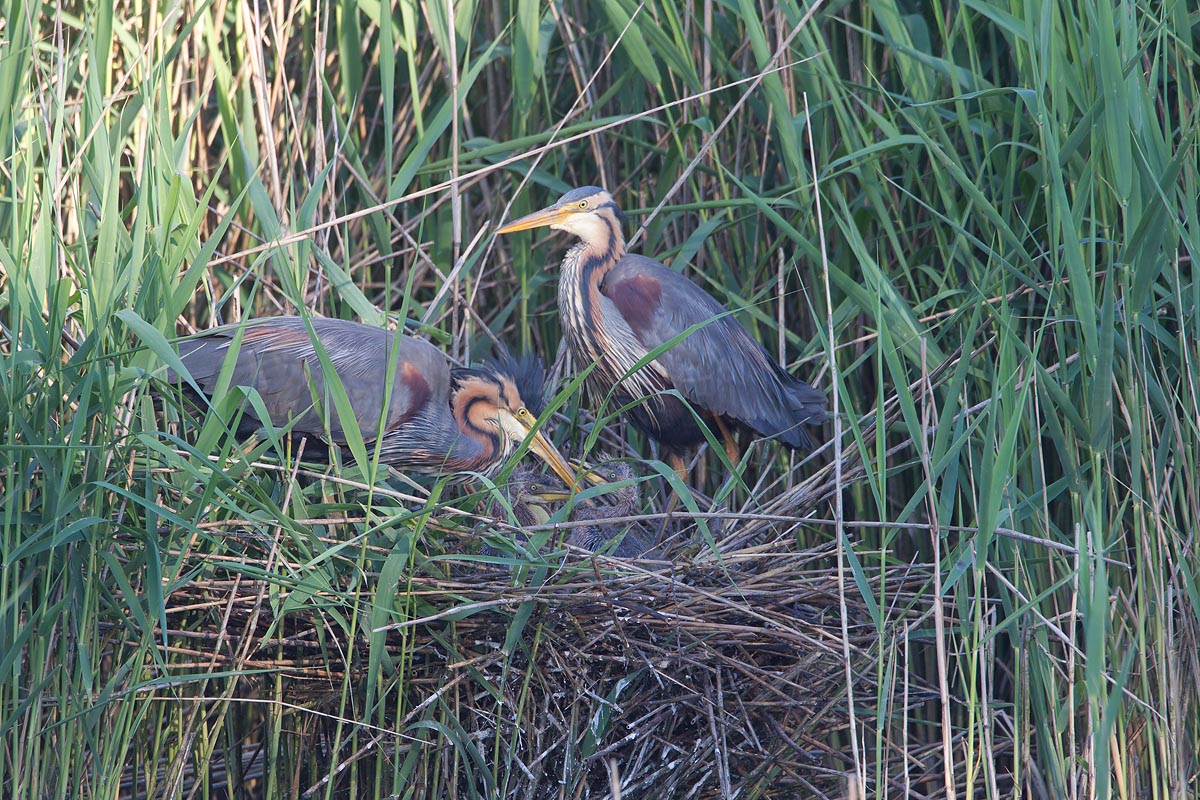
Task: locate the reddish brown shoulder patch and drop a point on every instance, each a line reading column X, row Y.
column 637, row 299
column 417, row 390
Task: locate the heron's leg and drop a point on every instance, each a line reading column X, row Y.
column 677, row 461
column 732, row 451
column 680, row 466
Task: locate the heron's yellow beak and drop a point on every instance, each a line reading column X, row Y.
column 545, row 450
column 590, row 474
column 553, row 215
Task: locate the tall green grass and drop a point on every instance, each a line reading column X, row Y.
column 1008, row 194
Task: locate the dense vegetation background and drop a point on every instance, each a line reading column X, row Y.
column 984, row 213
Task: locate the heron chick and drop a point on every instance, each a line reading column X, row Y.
column 532, row 498
column 530, row 495
column 622, row 502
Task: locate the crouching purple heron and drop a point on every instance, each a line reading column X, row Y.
column 437, row 420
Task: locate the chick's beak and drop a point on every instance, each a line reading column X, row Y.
column 552, row 496
column 551, row 215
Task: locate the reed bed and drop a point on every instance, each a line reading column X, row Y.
column 664, row 677
column 974, row 226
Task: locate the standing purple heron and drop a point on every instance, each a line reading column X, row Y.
column 437, row 420
column 617, row 307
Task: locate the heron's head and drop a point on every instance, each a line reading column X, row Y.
column 623, row 491
column 588, row 212
column 488, row 406
column 531, row 488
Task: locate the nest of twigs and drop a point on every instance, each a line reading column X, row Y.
column 704, row 676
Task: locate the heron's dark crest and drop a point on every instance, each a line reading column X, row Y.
column 597, row 198
column 464, row 378
column 526, row 371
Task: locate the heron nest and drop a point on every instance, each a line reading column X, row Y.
column 722, row 672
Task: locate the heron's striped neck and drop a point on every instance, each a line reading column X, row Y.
column 584, row 269
column 595, row 330
column 441, row 443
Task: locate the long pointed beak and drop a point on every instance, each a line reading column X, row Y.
column 551, row 215
column 545, row 450
column 590, row 474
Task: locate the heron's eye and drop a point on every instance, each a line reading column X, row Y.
column 523, row 412
column 612, row 476
column 536, row 488
column 583, row 204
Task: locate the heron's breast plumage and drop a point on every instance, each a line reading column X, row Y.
column 598, row 333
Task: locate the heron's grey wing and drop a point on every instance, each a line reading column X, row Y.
column 277, row 357
column 719, row 366
column 362, row 355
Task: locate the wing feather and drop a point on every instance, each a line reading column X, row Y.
column 278, row 359
column 719, row 366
